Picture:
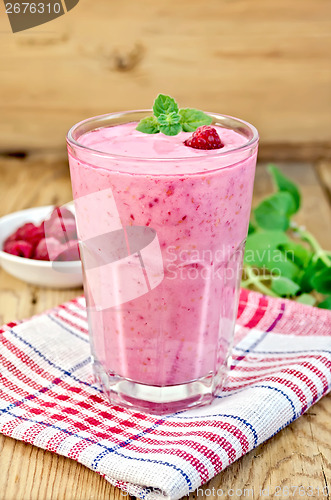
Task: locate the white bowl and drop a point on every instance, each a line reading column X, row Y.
column 36, row 272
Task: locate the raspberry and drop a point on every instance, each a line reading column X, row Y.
column 205, row 137
column 37, row 234
column 30, row 233
column 70, row 252
column 30, row 240
column 23, row 231
column 10, row 238
column 19, row 248
column 47, row 248
column 61, row 229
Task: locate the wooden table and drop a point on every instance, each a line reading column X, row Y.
column 299, row 455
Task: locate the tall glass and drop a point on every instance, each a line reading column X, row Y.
column 162, row 244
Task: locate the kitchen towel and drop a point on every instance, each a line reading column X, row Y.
column 281, row 365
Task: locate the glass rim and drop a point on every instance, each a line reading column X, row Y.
column 102, row 119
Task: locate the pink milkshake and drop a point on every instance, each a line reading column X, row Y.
column 162, row 229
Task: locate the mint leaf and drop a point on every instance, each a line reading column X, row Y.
column 284, row 287
column 291, row 268
column 251, row 228
column 308, row 273
column 297, row 253
column 263, row 241
column 169, row 124
column 167, row 115
column 284, row 184
column 171, row 129
column 306, row 298
column 326, row 304
column 170, row 118
column 164, row 104
column 276, row 262
column 262, row 252
column 322, row 281
column 148, row 125
column 191, row 119
column 273, row 213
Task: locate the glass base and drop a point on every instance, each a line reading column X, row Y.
column 155, row 399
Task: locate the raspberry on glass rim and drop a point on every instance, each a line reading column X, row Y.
column 205, row 137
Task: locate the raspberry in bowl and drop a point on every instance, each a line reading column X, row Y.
column 50, row 260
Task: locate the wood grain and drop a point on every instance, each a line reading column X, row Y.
column 324, row 172
column 299, row 455
column 29, row 473
column 268, row 63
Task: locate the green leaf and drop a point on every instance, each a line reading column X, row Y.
column 167, row 114
column 251, row 228
column 307, row 299
column 169, row 124
column 284, row 287
column 308, row 273
column 326, row 304
column 191, row 119
column 258, row 243
column 322, row 281
column 171, row 129
column 164, row 104
column 273, row 213
column 319, row 264
column 277, row 263
column 286, row 185
column 170, row 119
column 295, row 252
column 262, row 252
column 266, row 239
column 148, row 125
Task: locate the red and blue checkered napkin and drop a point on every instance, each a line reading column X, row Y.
column 281, row 366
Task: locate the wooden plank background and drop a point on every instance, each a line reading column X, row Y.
column 265, row 61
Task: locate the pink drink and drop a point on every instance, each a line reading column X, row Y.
column 162, row 229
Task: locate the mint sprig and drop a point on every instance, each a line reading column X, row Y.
column 149, row 125
column 283, row 259
column 164, row 105
column 169, row 123
column 191, row 119
column 170, row 120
